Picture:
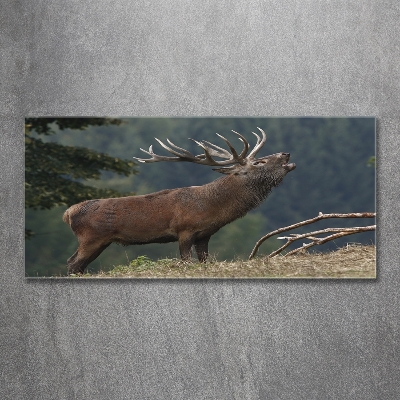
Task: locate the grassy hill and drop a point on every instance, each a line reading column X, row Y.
column 351, row 261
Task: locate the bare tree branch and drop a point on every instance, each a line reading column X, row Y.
column 316, row 241
column 310, row 221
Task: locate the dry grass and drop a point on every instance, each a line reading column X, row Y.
column 351, row 261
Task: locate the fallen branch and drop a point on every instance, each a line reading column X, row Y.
column 310, row 221
column 317, row 241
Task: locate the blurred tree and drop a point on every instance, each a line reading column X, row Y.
column 53, row 172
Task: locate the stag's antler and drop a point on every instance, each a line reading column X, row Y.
column 260, row 143
column 210, row 150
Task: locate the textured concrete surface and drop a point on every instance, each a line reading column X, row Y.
column 205, row 339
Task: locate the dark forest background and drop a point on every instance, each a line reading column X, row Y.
column 333, row 175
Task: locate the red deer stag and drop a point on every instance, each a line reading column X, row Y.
column 188, row 215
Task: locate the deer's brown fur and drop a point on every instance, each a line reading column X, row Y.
column 188, row 215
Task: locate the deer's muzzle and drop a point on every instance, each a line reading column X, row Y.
column 289, row 167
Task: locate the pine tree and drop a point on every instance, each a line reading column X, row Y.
column 54, row 173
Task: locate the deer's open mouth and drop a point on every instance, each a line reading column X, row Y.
column 289, row 167
column 286, row 165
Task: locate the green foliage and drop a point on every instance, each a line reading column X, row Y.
column 54, row 172
column 371, row 162
column 139, row 264
column 45, row 126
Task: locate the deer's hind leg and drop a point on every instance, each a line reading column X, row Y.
column 84, row 255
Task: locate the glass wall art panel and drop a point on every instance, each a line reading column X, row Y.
column 218, row 197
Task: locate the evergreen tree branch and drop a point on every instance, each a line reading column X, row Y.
column 53, row 172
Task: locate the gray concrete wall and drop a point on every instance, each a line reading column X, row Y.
column 199, row 339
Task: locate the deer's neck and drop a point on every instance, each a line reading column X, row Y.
column 237, row 196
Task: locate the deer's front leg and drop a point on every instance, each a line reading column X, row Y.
column 186, row 241
column 201, row 247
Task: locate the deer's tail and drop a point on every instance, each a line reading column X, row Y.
column 66, row 217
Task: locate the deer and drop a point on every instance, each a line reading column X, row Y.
column 187, row 215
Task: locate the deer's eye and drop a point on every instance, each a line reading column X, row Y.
column 257, row 162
